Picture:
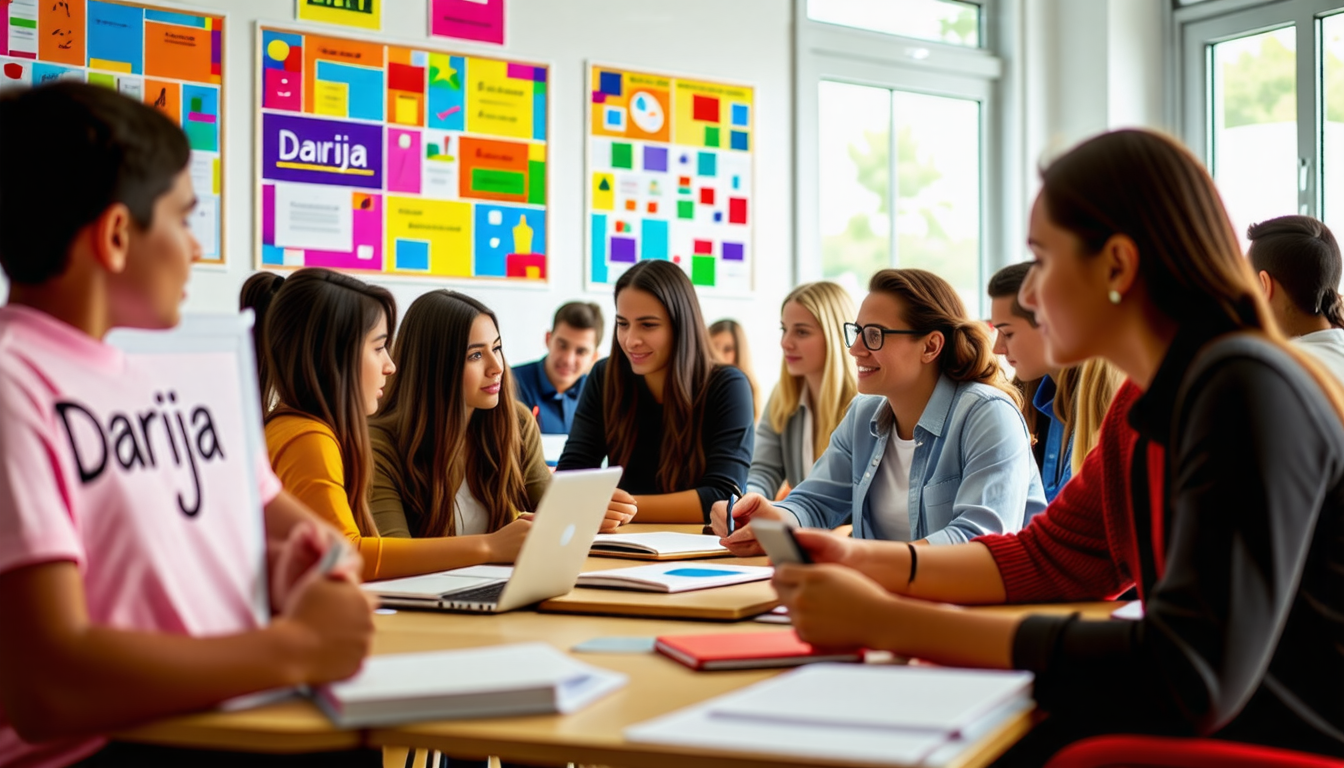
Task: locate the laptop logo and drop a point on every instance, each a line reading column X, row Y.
column 567, row 535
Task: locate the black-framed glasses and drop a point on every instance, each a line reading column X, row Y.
column 873, row 335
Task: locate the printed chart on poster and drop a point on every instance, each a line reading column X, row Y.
column 170, row 59
column 669, row 176
column 359, row 14
column 400, row 160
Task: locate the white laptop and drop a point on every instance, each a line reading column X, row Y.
column 547, row 566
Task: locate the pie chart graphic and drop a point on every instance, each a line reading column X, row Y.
column 646, row 112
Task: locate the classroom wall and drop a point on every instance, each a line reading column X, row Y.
column 748, row 41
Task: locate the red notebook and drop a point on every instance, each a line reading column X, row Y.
column 745, row 650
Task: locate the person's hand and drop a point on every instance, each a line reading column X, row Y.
column 502, row 546
column 832, row 606
column 743, row 541
column 331, row 621
column 824, row 546
column 620, row 510
column 295, row 559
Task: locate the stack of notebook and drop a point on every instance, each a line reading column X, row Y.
column 879, row 714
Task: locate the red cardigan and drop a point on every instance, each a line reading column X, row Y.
column 1082, row 546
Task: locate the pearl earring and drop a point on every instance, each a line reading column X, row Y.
column 1114, row 296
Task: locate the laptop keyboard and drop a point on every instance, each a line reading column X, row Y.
column 487, row 594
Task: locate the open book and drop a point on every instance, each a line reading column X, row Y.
column 855, row 713
column 518, row 679
column 658, row 546
column 674, row 577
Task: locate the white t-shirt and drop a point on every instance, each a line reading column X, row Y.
column 471, row 516
column 889, row 497
column 144, row 487
column 1327, row 347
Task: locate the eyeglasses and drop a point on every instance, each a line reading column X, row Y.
column 873, row 335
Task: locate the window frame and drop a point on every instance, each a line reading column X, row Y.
column 1197, row 27
column 875, row 59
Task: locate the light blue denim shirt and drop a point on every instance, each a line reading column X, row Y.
column 972, row 472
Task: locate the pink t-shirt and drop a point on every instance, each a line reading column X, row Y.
column 144, row 487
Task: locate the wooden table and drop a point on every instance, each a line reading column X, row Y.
column 657, row 687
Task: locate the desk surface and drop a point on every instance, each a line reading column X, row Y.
column 657, row 686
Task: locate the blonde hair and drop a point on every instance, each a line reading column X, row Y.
column 832, row 307
column 1081, row 401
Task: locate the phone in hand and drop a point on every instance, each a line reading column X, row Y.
column 777, row 540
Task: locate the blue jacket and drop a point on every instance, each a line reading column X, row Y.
column 972, row 471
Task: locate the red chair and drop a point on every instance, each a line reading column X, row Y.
column 1160, row 752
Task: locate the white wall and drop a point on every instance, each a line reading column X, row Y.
column 744, row 40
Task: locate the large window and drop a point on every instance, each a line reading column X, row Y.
column 894, row 141
column 1262, row 100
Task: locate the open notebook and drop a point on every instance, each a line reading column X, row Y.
column 658, row 546
column 893, row 715
column 518, row 679
column 674, row 577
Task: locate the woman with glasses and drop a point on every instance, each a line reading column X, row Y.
column 934, row 450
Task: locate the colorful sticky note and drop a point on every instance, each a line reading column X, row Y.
column 655, row 158
column 708, row 163
column 603, row 196
column 331, row 99
column 741, row 115
column 737, row 210
column 622, row 156
column 609, row 83
column 408, row 110
column 737, row 140
column 653, row 238
column 685, row 209
column 623, row 249
column 711, row 136
column 706, row 195
column 705, row 109
column 703, row 246
column 733, row 252
column 702, row 270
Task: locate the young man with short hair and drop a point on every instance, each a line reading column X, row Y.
column 551, row 386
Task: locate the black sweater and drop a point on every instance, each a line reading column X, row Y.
column 726, row 435
column 1243, row 635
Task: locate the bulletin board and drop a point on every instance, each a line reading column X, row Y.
column 170, row 59
column 670, row 175
column 399, row 160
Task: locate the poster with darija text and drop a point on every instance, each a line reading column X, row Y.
column 399, row 160
column 669, row 176
column 170, row 59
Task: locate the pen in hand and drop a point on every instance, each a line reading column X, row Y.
column 728, row 518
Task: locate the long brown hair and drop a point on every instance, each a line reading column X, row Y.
column 315, row 330
column 742, row 352
column 682, row 457
column 426, row 414
column 1147, row 187
column 928, row 304
column 257, row 293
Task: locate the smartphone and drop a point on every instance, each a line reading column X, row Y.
column 778, row 541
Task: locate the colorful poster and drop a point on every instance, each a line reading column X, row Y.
column 670, row 176
column 407, row 161
column 356, row 14
column 480, row 21
column 172, row 60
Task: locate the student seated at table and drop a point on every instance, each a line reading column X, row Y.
column 934, row 448
column 817, row 381
column 1063, row 406
column 1298, row 264
column 660, row 406
column 729, row 342
column 550, row 387
column 327, row 336
column 453, row 453
column 119, row 608
column 1217, row 491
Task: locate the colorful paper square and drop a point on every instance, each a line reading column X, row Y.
column 737, row 210
column 702, row 270
column 741, row 115
column 707, row 164
column 705, row 109
column 622, row 156
column 738, row 140
column 655, row 158
column 706, row 195
column 685, row 209
column 734, row 252
column 711, row 136
column 609, row 83
column 623, row 249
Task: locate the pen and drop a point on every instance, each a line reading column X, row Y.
column 732, row 499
